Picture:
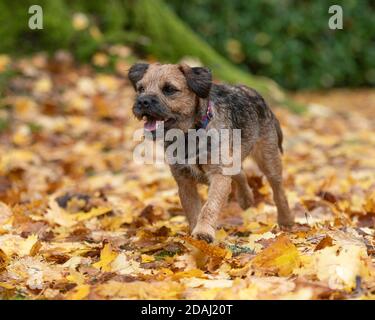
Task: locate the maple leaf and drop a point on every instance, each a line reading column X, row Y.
column 325, row 242
column 208, row 249
column 106, row 258
column 194, row 273
column 280, row 257
column 17, row 245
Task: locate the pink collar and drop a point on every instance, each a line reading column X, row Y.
column 208, row 116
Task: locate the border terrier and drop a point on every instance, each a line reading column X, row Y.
column 185, row 98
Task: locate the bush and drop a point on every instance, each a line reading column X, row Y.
column 286, row 40
column 106, row 20
column 289, row 40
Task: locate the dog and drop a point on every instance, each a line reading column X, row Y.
column 186, row 98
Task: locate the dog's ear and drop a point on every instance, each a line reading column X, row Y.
column 198, row 79
column 136, row 72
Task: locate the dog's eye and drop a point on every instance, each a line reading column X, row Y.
column 140, row 89
column 168, row 90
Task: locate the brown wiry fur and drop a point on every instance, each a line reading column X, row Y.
column 235, row 107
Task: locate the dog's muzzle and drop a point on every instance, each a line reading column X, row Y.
column 149, row 108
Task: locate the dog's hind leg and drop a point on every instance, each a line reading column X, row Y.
column 244, row 193
column 267, row 156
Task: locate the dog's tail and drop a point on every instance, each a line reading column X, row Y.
column 279, row 135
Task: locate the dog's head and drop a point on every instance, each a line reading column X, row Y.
column 169, row 93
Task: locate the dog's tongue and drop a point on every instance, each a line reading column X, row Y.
column 150, row 125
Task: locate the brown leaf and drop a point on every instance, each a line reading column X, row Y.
column 327, row 241
column 208, row 249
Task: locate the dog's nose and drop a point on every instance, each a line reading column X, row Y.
column 147, row 101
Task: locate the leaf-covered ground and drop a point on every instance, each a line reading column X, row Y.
column 80, row 220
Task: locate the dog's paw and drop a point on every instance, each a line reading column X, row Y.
column 286, row 224
column 203, row 236
column 245, row 198
column 205, row 233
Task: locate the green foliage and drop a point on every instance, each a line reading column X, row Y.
column 171, row 39
column 151, row 27
column 286, row 40
column 58, row 31
column 289, row 40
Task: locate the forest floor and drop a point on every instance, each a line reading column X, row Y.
column 80, row 220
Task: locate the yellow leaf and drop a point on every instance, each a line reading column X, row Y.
column 76, row 277
column 13, row 244
column 6, row 285
column 16, row 159
column 94, row 212
column 343, row 205
column 80, row 292
column 43, row 85
column 106, row 257
column 281, row 257
column 147, row 258
column 264, row 190
column 22, row 137
column 193, row 273
column 340, row 266
column 58, row 215
column 221, row 234
column 31, row 245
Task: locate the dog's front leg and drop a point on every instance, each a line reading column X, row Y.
column 190, row 200
column 218, row 192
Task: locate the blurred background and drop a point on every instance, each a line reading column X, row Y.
column 286, row 40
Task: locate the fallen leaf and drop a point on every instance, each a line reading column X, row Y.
column 141, row 290
column 94, row 212
column 19, row 246
column 106, row 258
column 325, row 242
column 192, row 273
column 79, row 293
column 340, row 266
column 281, row 257
column 208, row 249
